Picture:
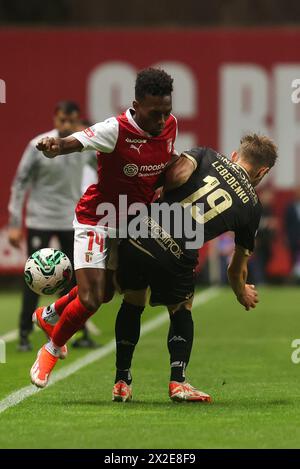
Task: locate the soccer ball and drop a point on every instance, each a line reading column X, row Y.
column 48, row 271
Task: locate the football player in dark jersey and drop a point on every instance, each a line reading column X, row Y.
column 163, row 260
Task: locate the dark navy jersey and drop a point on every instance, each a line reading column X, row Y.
column 229, row 200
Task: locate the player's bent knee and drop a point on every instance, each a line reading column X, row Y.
column 136, row 297
column 90, row 301
column 186, row 306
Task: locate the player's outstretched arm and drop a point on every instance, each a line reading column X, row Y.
column 52, row 147
column 237, row 275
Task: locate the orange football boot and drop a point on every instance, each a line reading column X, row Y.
column 185, row 392
column 122, row 392
column 42, row 367
column 37, row 318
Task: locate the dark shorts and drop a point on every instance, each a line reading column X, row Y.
column 138, row 270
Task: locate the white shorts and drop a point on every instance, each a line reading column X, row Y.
column 94, row 247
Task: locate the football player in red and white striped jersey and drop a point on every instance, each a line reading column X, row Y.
column 133, row 149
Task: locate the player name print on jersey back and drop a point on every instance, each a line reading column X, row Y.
column 129, row 162
column 229, row 200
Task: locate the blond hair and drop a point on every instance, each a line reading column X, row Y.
column 258, row 150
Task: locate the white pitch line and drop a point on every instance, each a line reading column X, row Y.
column 10, row 336
column 16, row 397
column 13, row 335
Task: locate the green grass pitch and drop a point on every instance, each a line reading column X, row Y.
column 243, row 359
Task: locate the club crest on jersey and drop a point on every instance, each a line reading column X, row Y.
column 88, row 256
column 131, row 169
column 169, row 145
column 89, row 132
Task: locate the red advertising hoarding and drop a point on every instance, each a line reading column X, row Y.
column 226, row 82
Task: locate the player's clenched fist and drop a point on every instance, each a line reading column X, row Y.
column 249, row 297
column 50, row 146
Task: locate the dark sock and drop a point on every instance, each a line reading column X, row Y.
column 123, row 375
column 127, row 331
column 180, row 342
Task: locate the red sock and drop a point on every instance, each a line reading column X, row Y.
column 72, row 320
column 62, row 302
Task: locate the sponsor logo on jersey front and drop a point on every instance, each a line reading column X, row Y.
column 137, row 148
column 152, row 168
column 132, row 169
column 136, row 140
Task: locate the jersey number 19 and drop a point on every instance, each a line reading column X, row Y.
column 214, row 195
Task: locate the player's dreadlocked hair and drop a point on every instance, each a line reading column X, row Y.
column 153, row 81
column 259, row 150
